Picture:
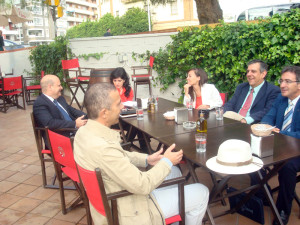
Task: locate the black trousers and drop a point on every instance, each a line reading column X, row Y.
column 287, row 183
column 287, row 177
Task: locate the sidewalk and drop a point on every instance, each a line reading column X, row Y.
column 23, row 200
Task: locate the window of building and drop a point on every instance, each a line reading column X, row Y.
column 30, row 23
column 117, row 13
column 47, row 32
column 35, row 32
column 174, row 8
column 37, row 10
column 38, row 21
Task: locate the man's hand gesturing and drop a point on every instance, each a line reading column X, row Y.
column 174, row 157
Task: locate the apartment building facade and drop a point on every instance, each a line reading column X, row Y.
column 78, row 11
column 175, row 14
column 42, row 28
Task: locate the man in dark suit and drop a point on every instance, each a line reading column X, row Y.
column 253, row 99
column 285, row 115
column 51, row 109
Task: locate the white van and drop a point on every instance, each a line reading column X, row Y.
column 265, row 11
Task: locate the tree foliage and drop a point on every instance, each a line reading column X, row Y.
column 48, row 57
column 223, row 51
column 133, row 21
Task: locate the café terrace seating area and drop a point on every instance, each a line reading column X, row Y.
column 23, row 200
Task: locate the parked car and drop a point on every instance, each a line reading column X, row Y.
column 10, row 45
column 266, row 11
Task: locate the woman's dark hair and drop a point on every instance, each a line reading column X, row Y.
column 121, row 73
column 203, row 79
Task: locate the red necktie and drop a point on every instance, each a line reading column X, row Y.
column 246, row 106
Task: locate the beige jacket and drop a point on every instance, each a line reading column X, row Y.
column 96, row 145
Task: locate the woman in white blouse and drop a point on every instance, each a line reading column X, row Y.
column 203, row 95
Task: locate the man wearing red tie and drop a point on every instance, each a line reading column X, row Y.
column 285, row 115
column 253, row 99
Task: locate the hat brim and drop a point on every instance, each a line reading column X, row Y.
column 256, row 164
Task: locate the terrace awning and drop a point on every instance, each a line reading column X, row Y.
column 14, row 15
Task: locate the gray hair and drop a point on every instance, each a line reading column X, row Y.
column 262, row 65
column 97, row 98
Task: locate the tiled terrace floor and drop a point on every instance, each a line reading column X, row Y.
column 23, row 200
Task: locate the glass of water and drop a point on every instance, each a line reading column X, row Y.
column 140, row 113
column 219, row 113
column 189, row 104
column 200, row 140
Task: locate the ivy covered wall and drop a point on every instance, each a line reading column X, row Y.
column 223, row 51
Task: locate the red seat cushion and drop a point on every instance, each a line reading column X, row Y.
column 33, row 87
column 45, row 151
column 12, row 93
column 141, row 75
column 83, row 78
column 173, row 219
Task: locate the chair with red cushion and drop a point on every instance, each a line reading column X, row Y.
column 75, row 82
column 10, row 91
column 143, row 77
column 223, row 97
column 44, row 154
column 94, row 188
column 32, row 88
column 65, row 167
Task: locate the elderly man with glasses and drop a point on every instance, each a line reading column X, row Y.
column 285, row 115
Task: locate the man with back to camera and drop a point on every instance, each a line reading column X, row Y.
column 96, row 145
column 51, row 110
column 253, row 99
column 285, row 115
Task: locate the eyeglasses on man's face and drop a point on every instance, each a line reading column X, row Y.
column 280, row 81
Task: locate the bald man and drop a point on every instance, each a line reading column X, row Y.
column 51, row 109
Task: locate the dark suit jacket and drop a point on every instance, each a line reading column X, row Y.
column 47, row 114
column 276, row 115
column 262, row 103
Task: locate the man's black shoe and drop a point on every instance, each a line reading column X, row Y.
column 284, row 217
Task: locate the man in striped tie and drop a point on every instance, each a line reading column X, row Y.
column 285, row 115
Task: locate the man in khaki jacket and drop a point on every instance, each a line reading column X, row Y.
column 96, row 145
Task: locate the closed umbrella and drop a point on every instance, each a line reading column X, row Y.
column 14, row 14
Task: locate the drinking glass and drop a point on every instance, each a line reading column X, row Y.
column 200, row 140
column 219, row 113
column 189, row 104
column 139, row 114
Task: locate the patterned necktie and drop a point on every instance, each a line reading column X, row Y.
column 63, row 112
column 288, row 116
column 246, row 106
